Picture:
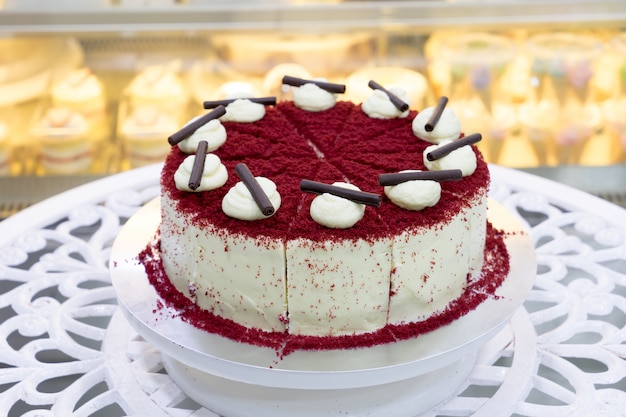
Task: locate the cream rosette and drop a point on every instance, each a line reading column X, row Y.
column 239, row 202
column 336, row 212
column 214, row 174
column 415, row 194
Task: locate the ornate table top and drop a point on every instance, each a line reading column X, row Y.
column 65, row 349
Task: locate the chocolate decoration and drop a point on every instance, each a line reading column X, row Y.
column 395, row 100
column 259, row 196
column 190, row 128
column 437, row 112
column 198, row 165
column 266, row 101
column 443, row 150
column 330, row 87
column 356, row 196
column 400, row 177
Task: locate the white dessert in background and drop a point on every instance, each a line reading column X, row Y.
column 5, row 150
column 328, row 54
column 615, row 127
column 80, row 90
column 64, row 144
column 411, row 82
column 144, row 134
column 161, row 86
column 273, row 81
column 496, row 127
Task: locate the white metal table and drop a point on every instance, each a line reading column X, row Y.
column 65, row 349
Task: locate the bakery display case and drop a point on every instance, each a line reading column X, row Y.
column 93, row 88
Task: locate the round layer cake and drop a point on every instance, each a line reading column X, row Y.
column 307, row 276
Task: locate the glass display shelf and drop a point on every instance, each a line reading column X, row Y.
column 122, row 16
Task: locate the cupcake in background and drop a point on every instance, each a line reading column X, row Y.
column 81, row 91
column 159, row 86
column 144, row 133
column 411, row 82
column 5, row 151
column 63, row 141
column 272, row 84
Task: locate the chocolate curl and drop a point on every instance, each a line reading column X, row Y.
column 330, row 87
column 395, row 100
column 190, row 128
column 400, row 177
column 198, row 165
column 356, row 196
column 266, row 101
column 437, row 112
column 443, row 150
column 259, row 196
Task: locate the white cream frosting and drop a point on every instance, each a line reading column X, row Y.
column 336, row 212
column 213, row 132
column 462, row 158
column 239, row 203
column 379, row 106
column 214, row 174
column 310, row 97
column 244, row 111
column 80, row 84
column 447, row 128
column 157, row 81
column 62, row 121
column 148, row 122
column 414, row 195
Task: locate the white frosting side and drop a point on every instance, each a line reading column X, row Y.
column 336, row 212
column 238, row 201
column 312, row 98
column 213, row 132
column 228, row 274
column 243, row 110
column 379, row 106
column 214, row 174
column 338, row 287
column 447, row 128
column 414, row 195
column 431, row 268
column 462, row 158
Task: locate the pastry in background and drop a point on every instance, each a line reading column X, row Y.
column 273, row 80
column 64, row 144
column 159, row 86
column 235, row 89
column 5, row 151
column 144, row 133
column 328, row 55
column 412, row 82
column 80, row 90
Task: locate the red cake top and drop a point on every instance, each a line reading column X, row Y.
column 339, row 144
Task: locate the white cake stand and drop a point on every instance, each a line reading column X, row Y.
column 235, row 379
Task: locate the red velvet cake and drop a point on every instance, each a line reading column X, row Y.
column 355, row 262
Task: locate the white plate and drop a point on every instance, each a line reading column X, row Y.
column 236, row 379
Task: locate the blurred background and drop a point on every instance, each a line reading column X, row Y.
column 89, row 88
